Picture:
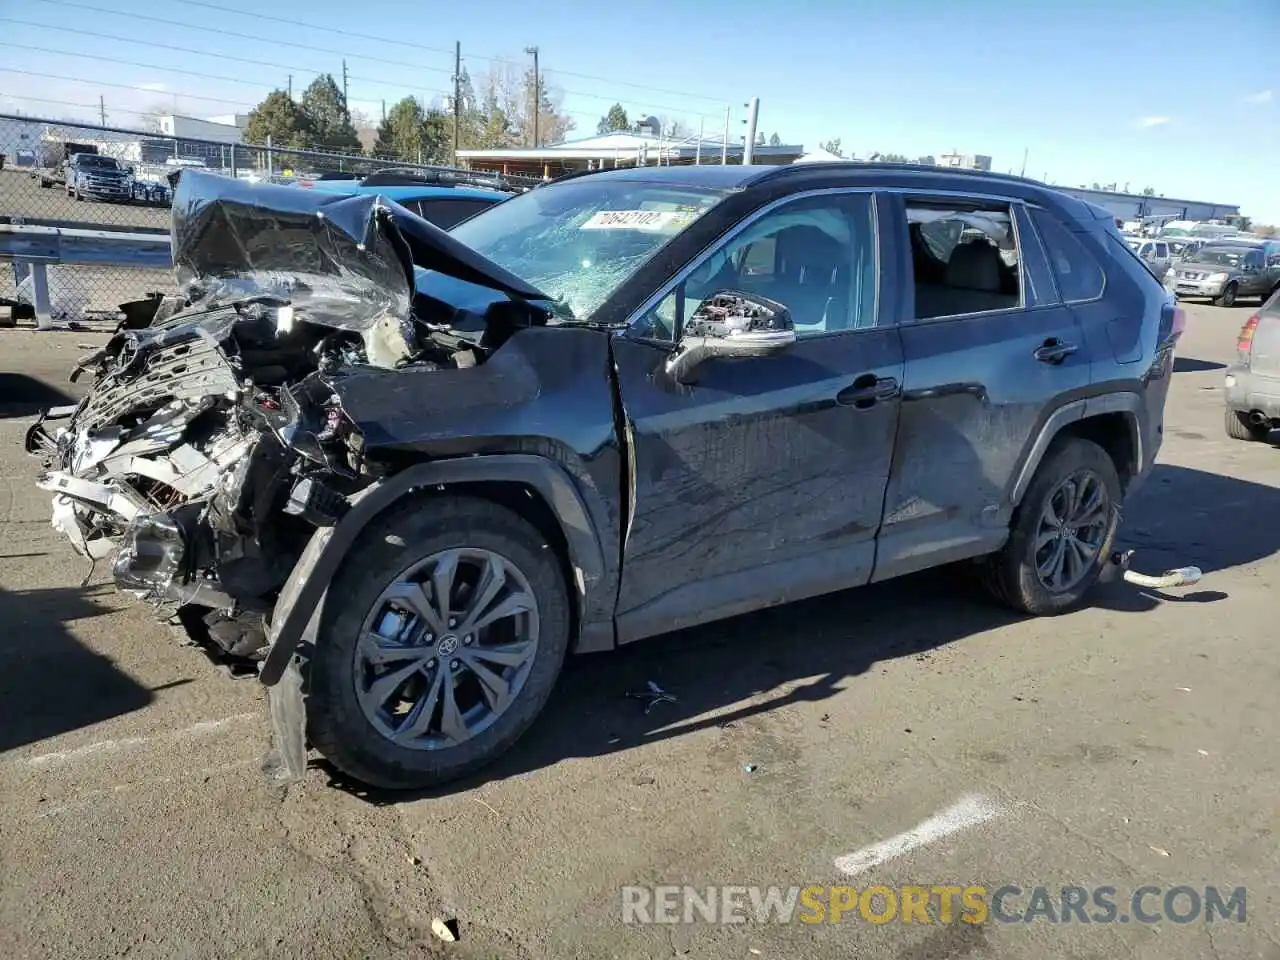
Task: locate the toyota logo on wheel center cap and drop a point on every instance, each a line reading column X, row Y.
column 448, row 643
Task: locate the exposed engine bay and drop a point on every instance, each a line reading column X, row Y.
column 214, row 439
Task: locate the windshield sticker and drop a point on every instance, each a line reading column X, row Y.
column 655, row 221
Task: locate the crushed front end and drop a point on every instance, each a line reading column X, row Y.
column 200, row 463
column 213, row 442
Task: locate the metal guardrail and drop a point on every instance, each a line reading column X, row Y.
column 104, row 264
column 34, row 248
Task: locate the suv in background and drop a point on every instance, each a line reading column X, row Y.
column 1225, row 270
column 1252, row 383
column 1156, row 254
column 93, row 176
column 617, row 405
column 445, row 197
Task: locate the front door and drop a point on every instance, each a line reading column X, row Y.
column 989, row 348
column 762, row 482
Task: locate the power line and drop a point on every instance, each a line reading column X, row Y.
column 233, row 34
column 383, row 60
column 126, row 86
column 99, row 35
column 191, row 73
column 383, row 81
column 417, row 46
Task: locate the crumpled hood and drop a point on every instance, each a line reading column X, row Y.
column 343, row 261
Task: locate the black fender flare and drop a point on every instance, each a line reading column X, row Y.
column 297, row 610
column 1124, row 402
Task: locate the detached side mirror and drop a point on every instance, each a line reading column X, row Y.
column 731, row 324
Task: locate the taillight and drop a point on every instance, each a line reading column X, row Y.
column 1179, row 322
column 1244, row 343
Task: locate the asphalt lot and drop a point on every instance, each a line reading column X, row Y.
column 1129, row 743
column 22, row 196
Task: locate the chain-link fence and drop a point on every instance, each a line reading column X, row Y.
column 121, row 184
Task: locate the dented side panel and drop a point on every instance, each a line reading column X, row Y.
column 759, row 484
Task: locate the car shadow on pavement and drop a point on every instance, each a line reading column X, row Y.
column 1192, row 365
column 729, row 671
column 51, row 683
column 24, row 396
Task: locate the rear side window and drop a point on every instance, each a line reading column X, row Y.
column 964, row 259
column 1077, row 271
column 448, row 212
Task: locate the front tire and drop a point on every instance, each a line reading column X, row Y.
column 1239, row 427
column 1228, row 296
column 406, row 690
column 1062, row 532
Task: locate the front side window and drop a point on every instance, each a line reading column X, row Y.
column 1254, row 259
column 580, row 240
column 1077, row 271
column 963, row 260
column 1162, row 251
column 814, row 255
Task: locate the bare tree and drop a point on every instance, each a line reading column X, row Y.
column 150, row 119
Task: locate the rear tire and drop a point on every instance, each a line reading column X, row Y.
column 1239, row 427
column 1016, row 576
column 340, row 677
column 1228, row 296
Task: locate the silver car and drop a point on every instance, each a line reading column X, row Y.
column 1154, row 253
column 1224, row 271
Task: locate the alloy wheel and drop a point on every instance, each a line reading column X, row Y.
column 446, row 648
column 1073, row 526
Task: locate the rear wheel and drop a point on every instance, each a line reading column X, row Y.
column 1228, row 296
column 1239, row 427
column 451, row 630
column 1062, row 532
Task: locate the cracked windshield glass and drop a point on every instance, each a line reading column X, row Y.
column 578, row 243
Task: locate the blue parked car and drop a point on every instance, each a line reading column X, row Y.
column 444, row 197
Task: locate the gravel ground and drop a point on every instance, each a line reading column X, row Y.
column 1129, row 743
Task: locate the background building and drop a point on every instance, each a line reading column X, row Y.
column 619, row 150
column 967, row 161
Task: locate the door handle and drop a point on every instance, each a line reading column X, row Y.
column 865, row 391
column 1054, row 350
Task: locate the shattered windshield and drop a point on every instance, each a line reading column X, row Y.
column 579, row 241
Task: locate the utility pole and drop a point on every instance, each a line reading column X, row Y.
column 291, row 86
column 748, row 148
column 537, row 93
column 697, row 153
column 457, row 96
column 724, row 147
column 102, row 111
column 1025, row 152
column 384, row 111
column 344, row 81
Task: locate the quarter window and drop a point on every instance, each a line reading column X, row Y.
column 1077, row 271
column 963, row 260
column 447, row 212
column 814, row 255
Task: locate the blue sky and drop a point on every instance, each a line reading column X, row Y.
column 1132, row 92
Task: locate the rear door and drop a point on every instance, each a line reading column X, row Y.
column 1254, row 279
column 1264, row 349
column 989, row 350
column 763, row 482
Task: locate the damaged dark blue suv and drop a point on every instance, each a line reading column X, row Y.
column 405, row 472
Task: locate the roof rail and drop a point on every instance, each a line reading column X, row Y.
column 437, row 176
column 901, row 167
